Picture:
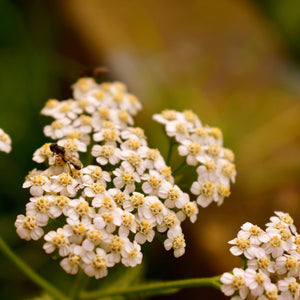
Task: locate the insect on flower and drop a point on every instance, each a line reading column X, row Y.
column 66, row 156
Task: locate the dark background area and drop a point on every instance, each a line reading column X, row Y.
column 235, row 63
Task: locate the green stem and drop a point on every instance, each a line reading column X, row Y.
column 78, row 285
column 30, row 273
column 183, row 164
column 170, row 151
column 154, row 288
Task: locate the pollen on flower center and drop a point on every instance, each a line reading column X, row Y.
column 94, row 235
column 207, row 189
column 127, row 220
column 214, row 150
column 71, row 145
column 137, row 200
column 293, row 287
column 228, row 169
column 74, row 259
column 173, row 194
column 108, row 203
column 110, row 135
column 223, row 191
column 57, row 124
column 128, row 177
column 243, row 244
column 145, row 227
column 291, row 263
column 152, row 154
column 116, row 244
column 259, row 278
column 181, row 128
column 255, row 230
column 82, row 208
column 169, row 114
column 97, row 173
column 38, row 180
column 154, row 182
column 263, row 262
column 59, row 240
column 135, row 159
column 238, row 282
column 133, row 144
column 285, row 234
column 119, row 198
column 43, row 204
column 178, row 241
column 189, row 208
column 156, row 208
column 170, row 220
column 79, row 229
column 275, row 241
column 194, row 148
column 107, row 151
column 107, row 217
column 98, row 188
column 30, row 222
column 99, row 262
column 65, row 179
column 61, row 201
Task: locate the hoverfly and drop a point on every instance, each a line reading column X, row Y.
column 66, row 156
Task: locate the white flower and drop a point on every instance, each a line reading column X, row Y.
column 93, row 238
column 64, row 184
column 57, row 240
column 262, row 262
column 133, row 159
column 173, row 195
column 135, row 202
column 134, row 133
column 125, row 178
column 95, row 174
column 170, row 221
column 40, row 208
column 59, row 205
column 80, row 208
column 271, row 292
column 58, row 128
column 256, row 281
column 116, row 244
column 177, row 129
column 282, row 217
column 128, row 224
column 145, row 231
column 154, row 210
column 176, row 241
column 28, row 227
column 152, row 183
column 71, row 262
column 109, row 136
column 43, row 153
column 244, row 246
column 131, row 254
column 288, row 264
column 105, row 154
column 76, row 229
column 254, row 233
column 233, row 283
column 166, row 116
column 5, row 142
column 190, row 210
column 95, row 264
column 38, row 185
column 190, row 149
column 290, row 289
column 275, row 246
column 108, row 219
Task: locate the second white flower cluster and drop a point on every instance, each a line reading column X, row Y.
column 271, row 258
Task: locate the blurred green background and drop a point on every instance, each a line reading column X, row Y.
column 235, row 63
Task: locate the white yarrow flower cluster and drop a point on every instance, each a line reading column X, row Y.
column 271, row 259
column 5, row 142
column 112, row 206
column 202, row 146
